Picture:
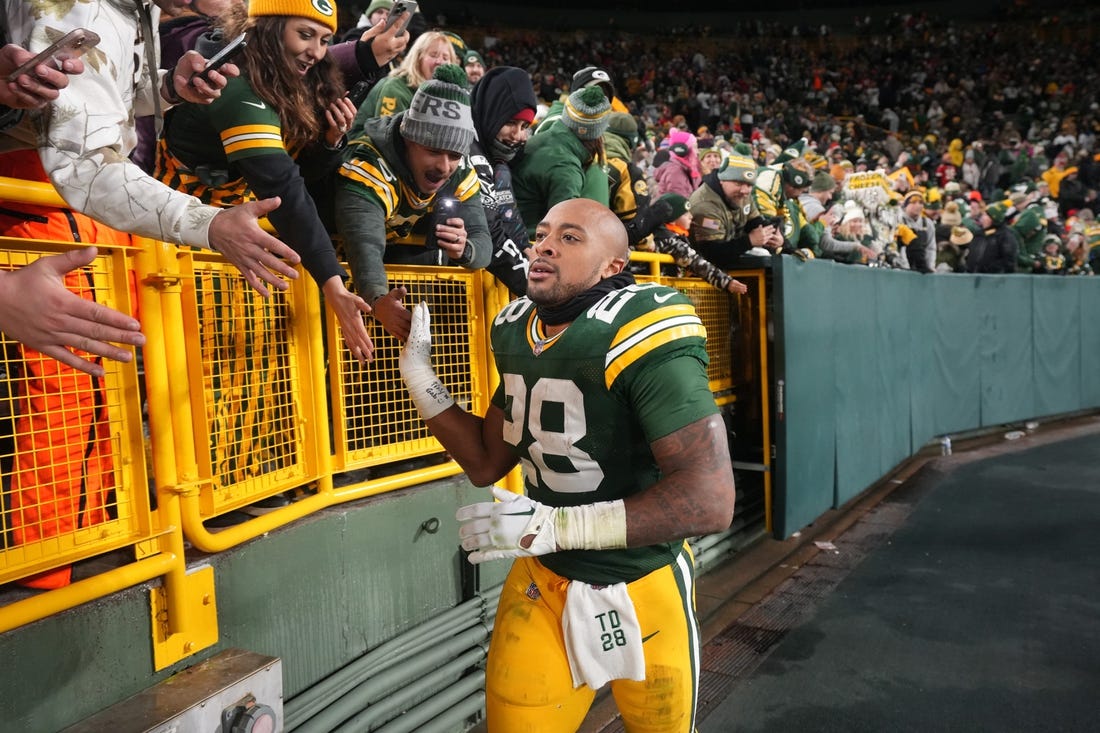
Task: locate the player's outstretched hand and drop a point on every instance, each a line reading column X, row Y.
column 426, row 391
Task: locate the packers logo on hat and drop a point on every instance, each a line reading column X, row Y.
column 321, row 11
column 590, row 75
column 795, row 176
column 593, row 75
column 737, row 168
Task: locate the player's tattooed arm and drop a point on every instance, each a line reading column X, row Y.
column 695, row 494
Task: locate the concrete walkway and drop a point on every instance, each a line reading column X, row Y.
column 960, row 594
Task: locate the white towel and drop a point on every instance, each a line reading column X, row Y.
column 603, row 639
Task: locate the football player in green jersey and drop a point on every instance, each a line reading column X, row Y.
column 604, row 401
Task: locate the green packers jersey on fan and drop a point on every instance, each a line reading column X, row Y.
column 373, row 169
column 582, row 407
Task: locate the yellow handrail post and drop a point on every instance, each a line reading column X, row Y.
column 654, row 259
column 184, row 615
column 159, row 380
column 315, row 314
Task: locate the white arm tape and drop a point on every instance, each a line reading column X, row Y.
column 600, row 526
column 427, row 392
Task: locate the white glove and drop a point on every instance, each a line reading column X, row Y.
column 517, row 526
column 427, row 392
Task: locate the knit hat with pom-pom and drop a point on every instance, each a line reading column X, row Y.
column 852, row 211
column 439, row 116
column 587, row 113
column 738, row 167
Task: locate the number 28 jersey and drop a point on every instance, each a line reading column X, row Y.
column 582, row 407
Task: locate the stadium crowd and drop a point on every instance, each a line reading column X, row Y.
column 905, row 141
column 926, row 145
column 1002, row 111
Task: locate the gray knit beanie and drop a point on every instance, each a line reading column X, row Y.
column 587, row 113
column 439, row 116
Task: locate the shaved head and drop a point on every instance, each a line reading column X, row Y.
column 577, row 244
column 607, row 227
column 601, row 222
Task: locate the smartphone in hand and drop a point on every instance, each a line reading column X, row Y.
column 358, row 93
column 228, row 52
column 444, row 208
column 70, row 46
column 401, row 13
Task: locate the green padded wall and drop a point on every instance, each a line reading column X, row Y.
column 64, row 668
column 804, row 320
column 871, row 418
column 894, row 346
column 859, row 390
column 1057, row 354
column 925, row 378
column 875, row 363
column 1007, row 366
column 1088, row 317
column 954, row 386
column 381, row 575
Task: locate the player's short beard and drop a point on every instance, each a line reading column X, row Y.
column 578, row 301
column 558, row 293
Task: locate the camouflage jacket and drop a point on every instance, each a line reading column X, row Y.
column 85, row 137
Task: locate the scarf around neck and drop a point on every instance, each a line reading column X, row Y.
column 555, row 315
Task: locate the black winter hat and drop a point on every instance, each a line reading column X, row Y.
column 592, row 76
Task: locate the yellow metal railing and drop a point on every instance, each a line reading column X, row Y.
column 241, row 399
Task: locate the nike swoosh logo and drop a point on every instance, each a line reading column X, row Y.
column 647, row 638
column 257, row 105
column 663, row 298
column 527, row 513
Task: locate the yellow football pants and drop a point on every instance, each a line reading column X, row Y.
column 529, row 688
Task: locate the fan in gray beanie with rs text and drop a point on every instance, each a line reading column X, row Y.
column 407, row 194
column 566, row 160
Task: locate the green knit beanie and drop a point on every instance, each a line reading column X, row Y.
column 587, row 113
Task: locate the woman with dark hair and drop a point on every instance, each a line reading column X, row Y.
column 260, row 139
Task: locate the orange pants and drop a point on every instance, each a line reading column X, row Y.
column 62, row 478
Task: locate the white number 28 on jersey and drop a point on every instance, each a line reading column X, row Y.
column 528, row 408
